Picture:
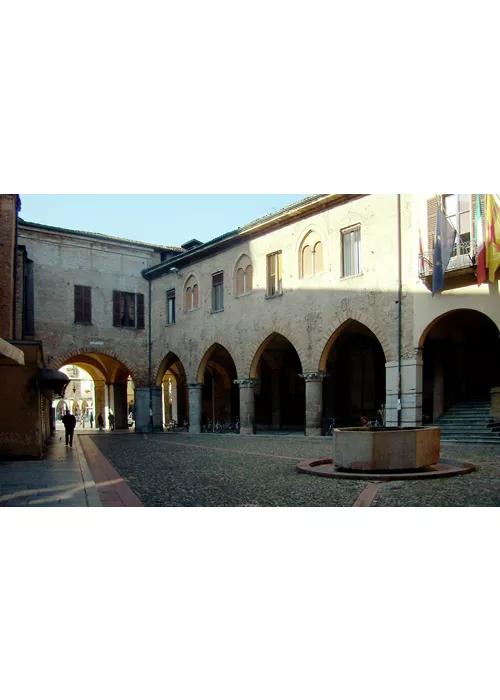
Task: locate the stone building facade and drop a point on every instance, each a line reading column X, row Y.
column 320, row 310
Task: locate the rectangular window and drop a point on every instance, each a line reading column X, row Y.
column 128, row 310
column 274, row 274
column 457, row 208
column 83, row 304
column 351, row 252
column 171, row 307
column 218, row 292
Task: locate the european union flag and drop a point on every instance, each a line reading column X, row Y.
column 443, row 248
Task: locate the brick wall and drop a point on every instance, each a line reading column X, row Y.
column 8, row 204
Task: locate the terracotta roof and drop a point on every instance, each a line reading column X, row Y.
column 103, row 236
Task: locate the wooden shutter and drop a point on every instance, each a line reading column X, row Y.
column 78, row 303
column 432, row 205
column 249, row 278
column 140, row 310
column 116, row 308
column 87, row 304
column 196, row 301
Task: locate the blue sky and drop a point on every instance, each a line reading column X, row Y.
column 164, row 219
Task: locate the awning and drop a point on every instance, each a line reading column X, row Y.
column 52, row 383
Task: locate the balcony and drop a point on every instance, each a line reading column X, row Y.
column 462, row 263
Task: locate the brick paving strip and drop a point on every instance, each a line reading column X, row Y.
column 113, row 490
column 367, row 495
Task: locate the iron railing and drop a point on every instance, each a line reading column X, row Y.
column 463, row 256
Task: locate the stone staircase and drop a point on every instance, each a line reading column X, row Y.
column 469, row 422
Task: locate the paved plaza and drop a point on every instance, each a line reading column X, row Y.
column 183, row 470
column 209, row 470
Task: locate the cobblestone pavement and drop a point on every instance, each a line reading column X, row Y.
column 206, row 470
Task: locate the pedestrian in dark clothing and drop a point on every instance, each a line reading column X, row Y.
column 69, row 423
column 111, row 421
column 91, row 419
column 100, row 421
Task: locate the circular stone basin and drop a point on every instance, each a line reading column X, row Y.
column 385, row 449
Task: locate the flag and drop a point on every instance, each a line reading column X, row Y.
column 421, row 266
column 493, row 234
column 482, row 275
column 443, row 248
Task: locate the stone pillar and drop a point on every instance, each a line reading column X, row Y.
column 166, row 403
column 495, row 404
column 314, row 402
column 119, row 393
column 148, row 418
column 174, row 407
column 195, row 394
column 100, row 400
column 247, row 405
column 275, row 399
column 411, row 392
column 438, row 388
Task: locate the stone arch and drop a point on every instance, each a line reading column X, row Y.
column 258, row 348
column 329, row 338
column 65, row 359
column 228, row 346
column 159, row 368
column 435, row 321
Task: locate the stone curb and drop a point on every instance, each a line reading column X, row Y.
column 446, row 467
column 88, row 480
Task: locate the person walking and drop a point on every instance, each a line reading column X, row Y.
column 111, row 419
column 69, row 423
column 100, row 422
column 91, row 419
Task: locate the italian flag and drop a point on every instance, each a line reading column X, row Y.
column 482, row 275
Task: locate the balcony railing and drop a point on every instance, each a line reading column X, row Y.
column 463, row 257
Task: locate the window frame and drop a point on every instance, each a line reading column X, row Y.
column 170, row 298
column 218, row 291
column 311, row 240
column 461, row 247
column 277, row 256
column 350, row 231
column 139, row 309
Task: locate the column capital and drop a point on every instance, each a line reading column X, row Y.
column 247, row 383
column 195, row 385
column 314, row 376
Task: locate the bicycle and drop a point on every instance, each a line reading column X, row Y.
column 235, row 427
column 331, row 426
column 219, row 427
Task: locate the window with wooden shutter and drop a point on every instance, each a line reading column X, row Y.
column 274, row 274
column 432, row 205
column 128, row 310
column 196, row 299
column 83, row 304
column 318, row 258
column 249, row 279
column 240, row 282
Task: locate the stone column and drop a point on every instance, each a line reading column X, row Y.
column 314, row 402
column 175, row 409
column 119, row 392
column 247, row 405
column 495, row 404
column 100, row 400
column 195, row 394
column 148, row 418
column 411, row 392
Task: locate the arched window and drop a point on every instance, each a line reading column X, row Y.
column 191, row 295
column 244, row 276
column 311, row 259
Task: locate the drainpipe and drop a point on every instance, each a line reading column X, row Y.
column 149, row 362
column 400, row 309
column 14, row 300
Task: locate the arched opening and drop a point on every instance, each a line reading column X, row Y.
column 280, row 395
column 100, row 385
column 460, row 356
column 220, row 397
column 172, row 379
column 355, row 381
